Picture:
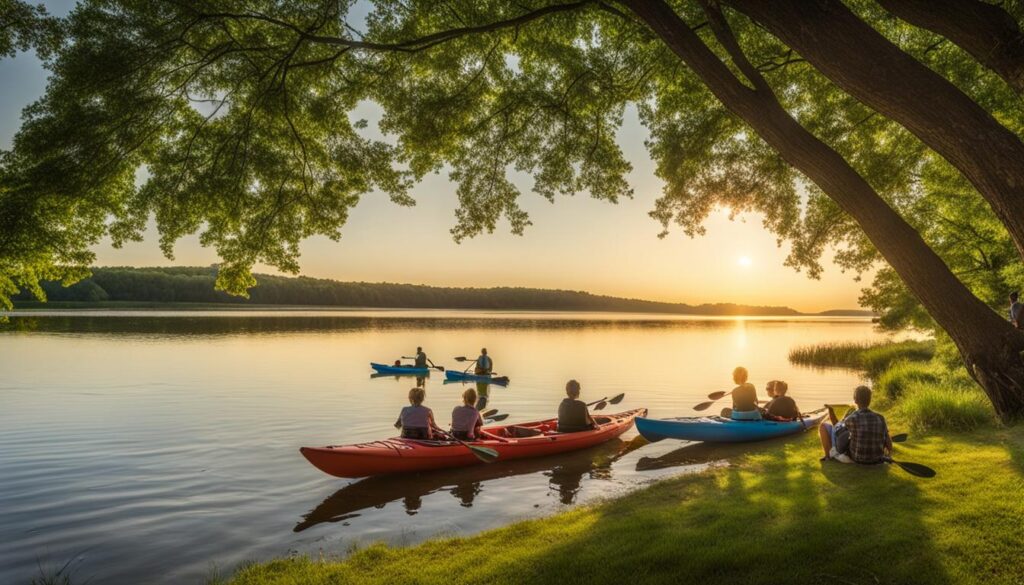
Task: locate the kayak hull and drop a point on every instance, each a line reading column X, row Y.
column 715, row 429
column 466, row 377
column 400, row 370
column 399, row 455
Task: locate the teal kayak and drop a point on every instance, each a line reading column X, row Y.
column 467, row 377
column 715, row 429
column 400, row 370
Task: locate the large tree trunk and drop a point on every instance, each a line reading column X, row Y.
column 990, row 347
column 986, row 31
column 869, row 67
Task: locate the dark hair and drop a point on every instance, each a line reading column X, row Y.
column 739, row 375
column 1014, row 296
column 781, row 387
column 862, row 396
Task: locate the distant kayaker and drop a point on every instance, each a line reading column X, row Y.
column 862, row 436
column 421, row 359
column 744, row 397
column 466, row 419
column 573, row 415
column 1016, row 310
column 781, row 407
column 416, row 420
column 484, row 364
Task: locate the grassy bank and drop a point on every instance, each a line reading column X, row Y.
column 775, row 514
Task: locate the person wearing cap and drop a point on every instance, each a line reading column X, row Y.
column 484, row 364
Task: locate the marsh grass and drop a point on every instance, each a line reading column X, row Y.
column 893, row 382
column 936, row 407
column 871, row 357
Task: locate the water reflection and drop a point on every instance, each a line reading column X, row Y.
column 564, row 474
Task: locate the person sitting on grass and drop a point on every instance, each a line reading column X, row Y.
column 861, row 437
column 573, row 415
column 416, row 420
column 782, row 407
column 744, row 397
column 466, row 419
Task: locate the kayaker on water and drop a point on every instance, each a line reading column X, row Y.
column 466, row 419
column 744, row 397
column 781, row 407
column 862, row 436
column 421, row 359
column 573, row 415
column 484, row 364
column 416, row 420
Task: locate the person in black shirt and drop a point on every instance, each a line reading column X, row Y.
column 572, row 412
column 781, row 407
column 744, row 397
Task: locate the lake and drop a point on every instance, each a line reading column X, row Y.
column 163, row 446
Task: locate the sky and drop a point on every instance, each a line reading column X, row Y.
column 576, row 243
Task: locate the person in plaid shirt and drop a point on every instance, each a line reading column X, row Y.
column 868, row 434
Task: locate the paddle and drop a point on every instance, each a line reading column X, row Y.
column 496, row 418
column 600, row 404
column 489, row 413
column 714, row 397
column 912, row 468
column 900, row 438
column 484, row 454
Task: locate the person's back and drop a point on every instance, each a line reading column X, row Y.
column 466, row 418
column 782, row 407
column 869, row 435
column 744, row 397
column 416, row 420
column 573, row 416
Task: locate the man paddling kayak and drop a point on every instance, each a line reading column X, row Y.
column 421, row 359
column 484, row 364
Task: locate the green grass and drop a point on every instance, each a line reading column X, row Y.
column 893, row 382
column 936, row 407
column 871, row 357
column 775, row 515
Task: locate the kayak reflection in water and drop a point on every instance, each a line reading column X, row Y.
column 484, row 364
column 744, row 397
column 416, row 420
column 573, row 416
column 483, row 393
column 466, row 419
column 781, row 407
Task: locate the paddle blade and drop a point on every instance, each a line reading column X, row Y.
column 497, row 417
column 900, row 438
column 483, row 453
column 704, row 405
column 915, row 468
column 439, row 368
column 617, row 398
column 716, row 395
column 461, row 358
column 601, row 405
column 489, row 413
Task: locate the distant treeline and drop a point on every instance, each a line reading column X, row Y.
column 196, row 285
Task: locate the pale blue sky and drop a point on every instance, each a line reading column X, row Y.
column 577, row 243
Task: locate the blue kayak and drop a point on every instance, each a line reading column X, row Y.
column 715, row 429
column 467, row 377
column 399, row 370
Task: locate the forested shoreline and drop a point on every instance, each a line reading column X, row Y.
column 196, row 285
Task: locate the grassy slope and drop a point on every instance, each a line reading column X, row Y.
column 775, row 515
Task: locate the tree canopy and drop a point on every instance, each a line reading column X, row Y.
column 235, row 119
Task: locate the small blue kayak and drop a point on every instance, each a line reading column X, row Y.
column 715, row 429
column 467, row 377
column 400, row 370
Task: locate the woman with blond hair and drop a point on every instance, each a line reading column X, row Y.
column 466, row 419
column 416, row 420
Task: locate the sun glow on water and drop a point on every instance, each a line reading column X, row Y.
column 744, row 261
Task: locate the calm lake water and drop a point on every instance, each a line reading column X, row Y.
column 159, row 447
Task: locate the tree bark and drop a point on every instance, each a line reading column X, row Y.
column 870, row 68
column 986, row 31
column 989, row 345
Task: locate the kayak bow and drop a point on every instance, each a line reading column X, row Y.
column 521, row 441
column 400, row 370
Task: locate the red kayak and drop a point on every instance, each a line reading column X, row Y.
column 534, row 439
